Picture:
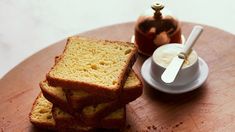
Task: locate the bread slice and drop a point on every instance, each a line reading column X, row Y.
column 95, row 66
column 114, row 120
column 41, row 116
column 88, row 114
column 79, row 98
column 131, row 90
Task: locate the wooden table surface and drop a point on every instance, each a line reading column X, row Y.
column 209, row 108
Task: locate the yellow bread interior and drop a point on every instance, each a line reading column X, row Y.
column 97, row 62
column 41, row 111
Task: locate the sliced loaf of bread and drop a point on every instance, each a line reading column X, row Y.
column 96, row 66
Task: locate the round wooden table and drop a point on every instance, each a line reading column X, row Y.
column 209, row 108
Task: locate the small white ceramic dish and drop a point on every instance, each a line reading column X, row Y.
column 202, row 76
column 162, row 57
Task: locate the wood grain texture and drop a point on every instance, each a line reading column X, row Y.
column 209, row 108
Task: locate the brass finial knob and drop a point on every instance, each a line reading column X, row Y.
column 157, row 6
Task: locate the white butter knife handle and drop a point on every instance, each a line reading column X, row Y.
column 197, row 30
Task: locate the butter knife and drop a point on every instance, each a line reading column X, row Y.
column 175, row 65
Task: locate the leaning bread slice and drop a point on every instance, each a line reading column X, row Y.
column 114, row 120
column 96, row 66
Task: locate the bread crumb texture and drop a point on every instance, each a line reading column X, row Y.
column 97, row 62
column 41, row 111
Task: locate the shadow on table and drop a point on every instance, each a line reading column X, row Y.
column 159, row 96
